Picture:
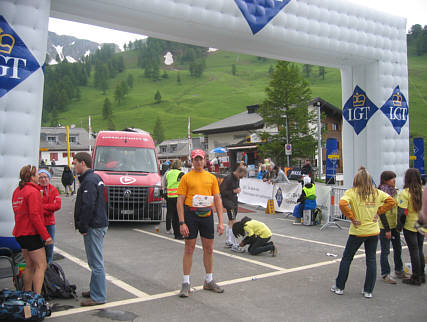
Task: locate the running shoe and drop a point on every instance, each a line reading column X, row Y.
column 237, row 249
column 212, row 286
column 388, row 279
column 367, row 295
column 228, row 244
column 275, row 251
column 336, row 290
column 185, row 290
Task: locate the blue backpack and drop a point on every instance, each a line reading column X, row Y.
column 20, row 305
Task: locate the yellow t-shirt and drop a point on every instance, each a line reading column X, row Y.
column 365, row 211
column 404, row 201
column 197, row 183
column 391, row 218
column 257, row 228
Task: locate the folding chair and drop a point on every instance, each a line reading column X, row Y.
column 9, row 267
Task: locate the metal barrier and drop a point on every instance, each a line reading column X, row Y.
column 334, row 212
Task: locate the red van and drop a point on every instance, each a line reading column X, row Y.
column 127, row 163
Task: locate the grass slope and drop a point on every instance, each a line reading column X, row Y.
column 217, row 95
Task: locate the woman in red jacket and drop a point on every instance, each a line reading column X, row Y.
column 29, row 230
column 51, row 202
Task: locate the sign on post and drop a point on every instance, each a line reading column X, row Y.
column 288, row 149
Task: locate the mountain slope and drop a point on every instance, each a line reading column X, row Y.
column 214, row 96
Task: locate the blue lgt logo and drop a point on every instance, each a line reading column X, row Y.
column 258, row 13
column 279, row 196
column 16, row 61
column 396, row 109
column 358, row 110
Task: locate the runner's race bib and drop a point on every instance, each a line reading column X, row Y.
column 201, row 201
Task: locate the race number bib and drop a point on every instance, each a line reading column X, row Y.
column 202, row 201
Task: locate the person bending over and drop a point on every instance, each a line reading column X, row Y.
column 257, row 236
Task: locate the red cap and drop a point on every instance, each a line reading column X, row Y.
column 198, row 153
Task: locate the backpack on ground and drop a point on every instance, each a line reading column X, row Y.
column 20, row 305
column 56, row 284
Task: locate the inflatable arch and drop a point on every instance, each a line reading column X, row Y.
column 368, row 46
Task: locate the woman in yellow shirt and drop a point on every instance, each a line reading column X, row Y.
column 389, row 233
column 257, row 236
column 410, row 205
column 362, row 204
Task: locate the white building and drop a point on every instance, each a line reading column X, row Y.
column 53, row 143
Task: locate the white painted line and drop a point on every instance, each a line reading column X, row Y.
column 308, row 240
column 197, row 288
column 123, row 285
column 284, row 219
column 277, row 268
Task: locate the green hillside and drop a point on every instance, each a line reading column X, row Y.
column 214, row 96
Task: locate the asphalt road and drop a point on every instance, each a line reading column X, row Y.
column 145, row 272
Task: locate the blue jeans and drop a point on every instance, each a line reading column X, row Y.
column 49, row 248
column 94, row 242
column 353, row 244
column 385, row 251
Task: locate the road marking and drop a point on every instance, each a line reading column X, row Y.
column 284, row 219
column 200, row 287
column 197, row 288
column 308, row 240
column 123, row 285
column 274, row 267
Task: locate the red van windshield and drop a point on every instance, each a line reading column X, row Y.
column 126, row 159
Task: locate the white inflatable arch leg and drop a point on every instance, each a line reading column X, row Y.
column 23, row 42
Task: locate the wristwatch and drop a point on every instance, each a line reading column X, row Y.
column 182, row 223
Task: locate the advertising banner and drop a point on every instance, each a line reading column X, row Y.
column 332, row 158
column 255, row 192
column 285, row 196
column 419, row 154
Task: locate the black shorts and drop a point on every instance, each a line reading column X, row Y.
column 196, row 223
column 232, row 214
column 30, row 243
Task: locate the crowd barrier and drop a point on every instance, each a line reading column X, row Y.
column 333, row 210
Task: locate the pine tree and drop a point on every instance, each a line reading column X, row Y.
column 270, row 70
column 107, row 110
column 130, row 80
column 307, row 70
column 103, row 86
column 118, row 94
column 288, row 98
column 158, row 133
column 233, row 69
column 178, row 78
column 157, row 97
column 111, row 126
column 322, row 72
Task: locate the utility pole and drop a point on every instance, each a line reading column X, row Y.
column 319, row 142
column 287, row 138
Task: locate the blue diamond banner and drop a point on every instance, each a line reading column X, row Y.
column 358, row 110
column 396, row 109
column 258, row 13
column 279, row 196
column 16, row 61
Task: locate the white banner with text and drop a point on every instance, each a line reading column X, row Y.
column 256, row 192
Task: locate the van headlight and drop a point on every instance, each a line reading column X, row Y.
column 157, row 190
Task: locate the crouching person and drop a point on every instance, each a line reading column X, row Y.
column 257, row 236
column 306, row 201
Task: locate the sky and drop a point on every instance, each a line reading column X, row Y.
column 414, row 10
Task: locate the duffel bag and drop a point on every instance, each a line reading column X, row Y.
column 20, row 305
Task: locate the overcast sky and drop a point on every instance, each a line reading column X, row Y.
column 414, row 10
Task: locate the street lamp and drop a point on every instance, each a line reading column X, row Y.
column 319, row 142
column 287, row 138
